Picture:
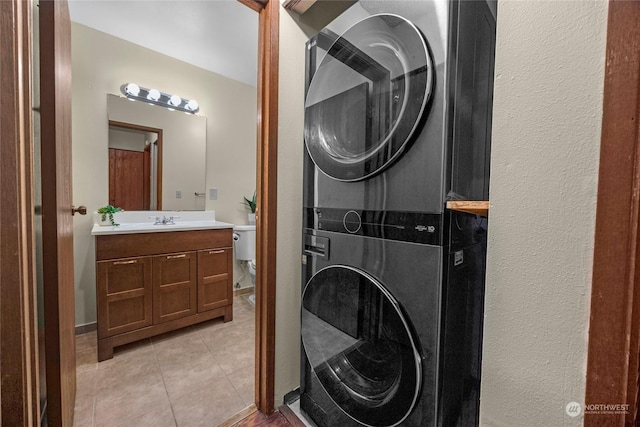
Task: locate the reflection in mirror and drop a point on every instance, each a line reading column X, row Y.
column 135, row 160
column 178, row 156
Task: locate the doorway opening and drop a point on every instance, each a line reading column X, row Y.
column 56, row 89
column 265, row 195
column 212, row 355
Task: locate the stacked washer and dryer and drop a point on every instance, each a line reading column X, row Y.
column 397, row 122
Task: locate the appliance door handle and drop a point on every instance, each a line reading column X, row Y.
column 316, row 246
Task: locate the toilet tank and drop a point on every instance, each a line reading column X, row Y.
column 244, row 239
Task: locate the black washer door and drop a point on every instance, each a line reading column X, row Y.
column 367, row 97
column 360, row 346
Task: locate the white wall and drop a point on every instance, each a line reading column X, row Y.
column 101, row 63
column 290, row 155
column 544, row 163
column 124, row 139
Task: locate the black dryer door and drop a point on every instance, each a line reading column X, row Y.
column 367, row 97
column 360, row 346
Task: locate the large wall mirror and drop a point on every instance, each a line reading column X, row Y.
column 156, row 157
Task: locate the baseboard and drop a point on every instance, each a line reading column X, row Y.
column 243, row 291
column 88, row 327
column 292, row 396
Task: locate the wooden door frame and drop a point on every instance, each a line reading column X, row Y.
column 57, row 199
column 18, row 368
column 614, row 328
column 159, row 145
column 19, row 403
column 266, row 190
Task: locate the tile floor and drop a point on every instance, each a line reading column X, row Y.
column 197, row 376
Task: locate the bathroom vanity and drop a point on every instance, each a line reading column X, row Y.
column 151, row 279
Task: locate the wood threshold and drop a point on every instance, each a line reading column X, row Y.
column 251, row 417
column 614, row 328
column 473, row 207
column 245, row 413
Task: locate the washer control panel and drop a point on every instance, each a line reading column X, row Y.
column 416, row 227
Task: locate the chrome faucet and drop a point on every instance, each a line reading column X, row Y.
column 170, row 220
column 164, row 221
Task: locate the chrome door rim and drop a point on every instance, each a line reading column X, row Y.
column 415, row 352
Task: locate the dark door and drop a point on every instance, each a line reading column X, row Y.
column 128, row 183
column 367, row 97
column 360, row 346
column 57, row 222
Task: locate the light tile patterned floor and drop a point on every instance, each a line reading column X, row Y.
column 197, row 376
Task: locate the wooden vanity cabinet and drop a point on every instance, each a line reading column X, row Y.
column 174, row 286
column 124, row 286
column 214, row 275
column 151, row 283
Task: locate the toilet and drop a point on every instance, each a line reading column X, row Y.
column 244, row 239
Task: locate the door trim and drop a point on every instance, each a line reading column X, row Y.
column 266, row 190
column 57, row 221
column 614, row 329
column 18, row 338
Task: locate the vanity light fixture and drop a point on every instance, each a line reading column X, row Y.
column 175, row 100
column 155, row 97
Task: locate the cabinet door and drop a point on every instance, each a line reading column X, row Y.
column 215, row 277
column 174, row 286
column 124, row 295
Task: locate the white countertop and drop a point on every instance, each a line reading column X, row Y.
column 132, row 222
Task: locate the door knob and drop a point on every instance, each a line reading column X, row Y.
column 82, row 210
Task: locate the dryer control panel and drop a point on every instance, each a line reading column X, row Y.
column 415, row 227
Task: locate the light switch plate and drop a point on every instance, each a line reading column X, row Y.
column 178, row 194
column 213, row 194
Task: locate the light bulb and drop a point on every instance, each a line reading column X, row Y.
column 132, row 89
column 192, row 105
column 154, row 94
column 175, row 100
